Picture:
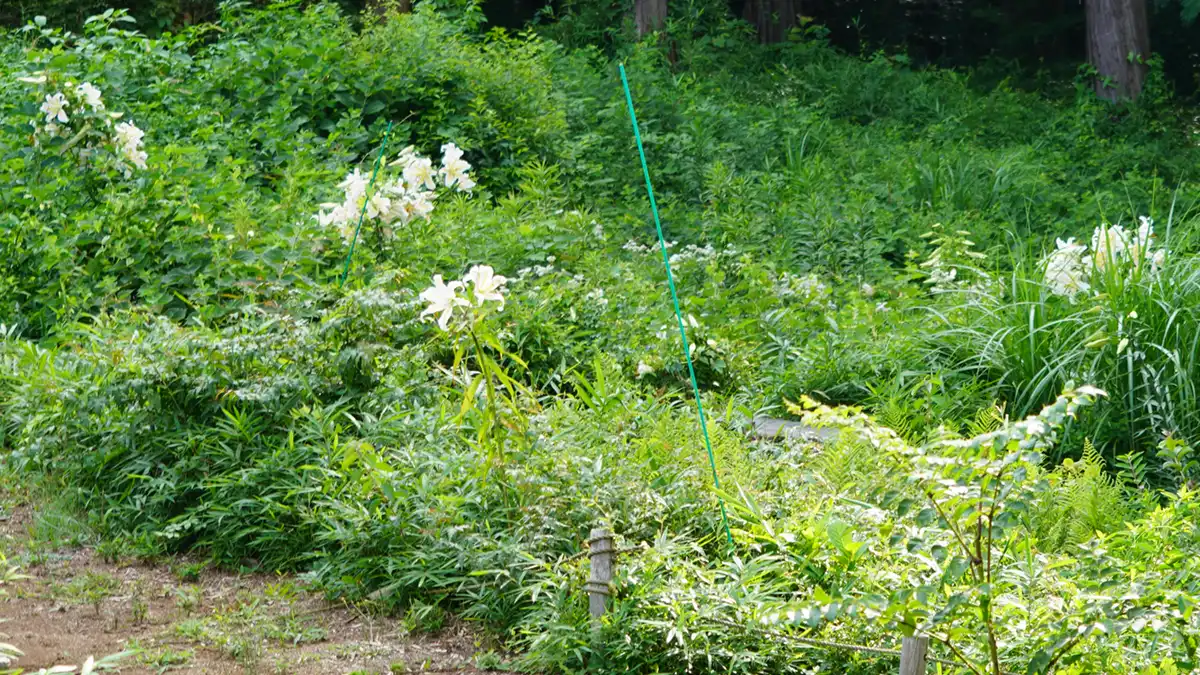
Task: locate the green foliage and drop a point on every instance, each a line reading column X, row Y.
column 1133, row 335
column 178, row 358
column 223, row 215
column 1084, row 500
column 959, row 531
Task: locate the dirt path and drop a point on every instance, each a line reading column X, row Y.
column 188, row 619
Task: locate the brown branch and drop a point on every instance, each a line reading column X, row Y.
column 978, row 559
column 953, row 528
column 991, row 522
column 958, row 654
column 993, row 647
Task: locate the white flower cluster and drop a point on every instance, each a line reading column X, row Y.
column 634, row 247
column 693, row 252
column 538, row 270
column 444, row 299
column 808, row 289
column 128, row 139
column 690, row 252
column 400, row 199
column 78, row 111
column 1070, row 266
column 597, row 297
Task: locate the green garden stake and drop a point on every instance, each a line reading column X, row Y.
column 687, row 352
column 362, row 214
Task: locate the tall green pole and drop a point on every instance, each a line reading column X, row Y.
column 687, row 352
column 367, row 198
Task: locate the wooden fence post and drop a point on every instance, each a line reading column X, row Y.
column 912, row 655
column 598, row 588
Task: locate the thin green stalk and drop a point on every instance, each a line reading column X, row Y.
column 74, row 140
column 491, row 390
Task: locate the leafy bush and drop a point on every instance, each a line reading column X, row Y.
column 237, row 155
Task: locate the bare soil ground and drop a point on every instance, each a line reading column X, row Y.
column 186, row 618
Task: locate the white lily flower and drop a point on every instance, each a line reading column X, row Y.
column 1157, row 259
column 406, row 156
column 465, row 183
column 55, row 108
column 331, row 217
column 421, row 205
column 91, row 95
column 454, row 168
column 1067, row 269
column 1139, row 242
column 454, row 172
column 443, row 298
column 1109, row 245
column 1145, row 230
column 486, row 284
column 129, row 140
column 378, row 206
column 128, row 134
column 400, row 211
column 138, row 158
column 419, row 172
column 355, row 185
column 451, row 152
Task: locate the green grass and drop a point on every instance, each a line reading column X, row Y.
column 184, row 368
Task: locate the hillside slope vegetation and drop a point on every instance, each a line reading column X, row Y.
column 994, row 293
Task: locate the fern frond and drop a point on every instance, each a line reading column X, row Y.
column 1087, row 499
column 986, row 420
column 893, row 416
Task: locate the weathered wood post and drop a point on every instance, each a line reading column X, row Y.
column 912, row 655
column 598, row 585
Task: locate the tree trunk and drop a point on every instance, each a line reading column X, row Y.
column 649, row 15
column 772, row 18
column 1118, row 44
